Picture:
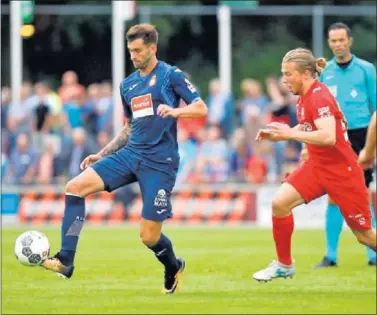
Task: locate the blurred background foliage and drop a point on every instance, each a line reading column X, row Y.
column 83, row 43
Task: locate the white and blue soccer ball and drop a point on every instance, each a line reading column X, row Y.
column 32, row 248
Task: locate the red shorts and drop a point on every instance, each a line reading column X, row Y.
column 345, row 186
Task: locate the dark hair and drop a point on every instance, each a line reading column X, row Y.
column 340, row 26
column 147, row 32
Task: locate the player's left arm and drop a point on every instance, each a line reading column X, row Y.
column 325, row 135
column 196, row 107
column 371, row 86
column 324, row 120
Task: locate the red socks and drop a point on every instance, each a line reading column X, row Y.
column 282, row 229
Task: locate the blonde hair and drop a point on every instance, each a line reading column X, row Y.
column 305, row 60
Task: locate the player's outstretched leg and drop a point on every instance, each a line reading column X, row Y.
column 283, row 225
column 162, row 247
column 365, row 237
column 76, row 190
column 333, row 226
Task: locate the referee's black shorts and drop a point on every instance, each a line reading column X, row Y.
column 357, row 138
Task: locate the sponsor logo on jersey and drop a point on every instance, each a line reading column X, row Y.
column 307, row 127
column 324, row 112
column 142, row 106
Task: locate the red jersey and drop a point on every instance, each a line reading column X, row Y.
column 317, row 103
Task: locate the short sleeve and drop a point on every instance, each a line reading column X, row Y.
column 371, row 82
column 321, row 105
column 183, row 87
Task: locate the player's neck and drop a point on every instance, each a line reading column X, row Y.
column 344, row 59
column 147, row 70
column 306, row 86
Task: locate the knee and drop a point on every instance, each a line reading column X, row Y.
column 368, row 238
column 280, row 208
column 362, row 240
column 149, row 237
column 74, row 187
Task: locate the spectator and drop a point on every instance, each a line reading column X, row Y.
column 283, row 102
column 253, row 98
column 212, row 161
column 4, row 165
column 220, row 108
column 5, row 104
column 191, row 125
column 103, row 139
column 70, row 87
column 291, row 159
column 256, row 167
column 46, row 164
column 241, row 153
column 42, row 108
column 78, row 152
column 104, row 108
column 253, row 108
column 20, row 115
column 187, row 152
column 23, row 162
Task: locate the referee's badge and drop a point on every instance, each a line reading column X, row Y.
column 354, row 93
column 153, row 80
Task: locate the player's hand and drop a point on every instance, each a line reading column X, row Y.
column 263, row 135
column 304, row 155
column 166, row 111
column 277, row 125
column 365, row 160
column 89, row 160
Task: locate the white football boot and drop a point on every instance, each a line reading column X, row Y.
column 275, row 270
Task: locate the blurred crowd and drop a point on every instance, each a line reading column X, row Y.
column 47, row 133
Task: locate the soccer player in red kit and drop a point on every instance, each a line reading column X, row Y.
column 332, row 167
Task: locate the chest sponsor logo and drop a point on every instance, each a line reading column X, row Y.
column 142, row 106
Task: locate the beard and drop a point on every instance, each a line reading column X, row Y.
column 143, row 64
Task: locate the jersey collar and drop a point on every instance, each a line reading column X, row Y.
column 350, row 65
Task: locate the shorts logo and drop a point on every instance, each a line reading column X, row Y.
column 142, row 106
column 161, row 199
column 358, row 217
column 353, row 93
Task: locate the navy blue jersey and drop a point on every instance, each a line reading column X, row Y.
column 152, row 136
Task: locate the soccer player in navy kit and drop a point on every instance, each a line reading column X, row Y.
column 146, row 151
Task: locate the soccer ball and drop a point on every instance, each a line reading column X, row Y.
column 32, row 248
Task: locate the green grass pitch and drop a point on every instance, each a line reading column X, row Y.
column 116, row 274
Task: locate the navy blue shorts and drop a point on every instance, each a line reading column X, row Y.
column 156, row 185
